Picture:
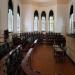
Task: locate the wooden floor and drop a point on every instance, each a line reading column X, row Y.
column 43, row 60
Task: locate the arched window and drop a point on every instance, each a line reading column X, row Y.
column 71, row 20
column 36, row 16
column 51, row 21
column 43, row 17
column 10, row 16
column 18, row 19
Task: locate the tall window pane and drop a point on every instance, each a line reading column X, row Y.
column 35, row 23
column 10, row 16
column 51, row 21
column 36, row 16
column 10, row 21
column 71, row 23
column 72, row 27
column 43, row 20
column 18, row 23
column 43, row 24
column 18, row 19
column 51, row 25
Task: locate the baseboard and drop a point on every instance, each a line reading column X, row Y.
column 70, row 59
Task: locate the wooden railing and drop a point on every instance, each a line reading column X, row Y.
column 26, row 66
column 26, row 62
column 12, row 61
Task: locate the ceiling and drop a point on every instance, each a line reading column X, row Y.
column 38, row 1
column 42, row 0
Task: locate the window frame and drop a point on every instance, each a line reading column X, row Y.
column 51, row 14
column 18, row 20
column 36, row 24
column 43, row 24
column 71, row 20
column 43, row 14
column 36, row 20
column 10, row 19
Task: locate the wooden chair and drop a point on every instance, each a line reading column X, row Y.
column 59, row 54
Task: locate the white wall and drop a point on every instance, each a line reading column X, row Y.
column 47, row 10
column 68, row 29
column 71, row 2
column 4, row 14
column 70, row 41
column 27, row 17
column 60, row 16
column 15, row 4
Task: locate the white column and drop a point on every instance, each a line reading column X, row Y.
column 39, row 25
column 21, row 20
column 15, row 16
column 32, row 19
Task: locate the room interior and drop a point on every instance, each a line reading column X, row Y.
column 37, row 37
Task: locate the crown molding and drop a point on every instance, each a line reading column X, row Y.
column 48, row 3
